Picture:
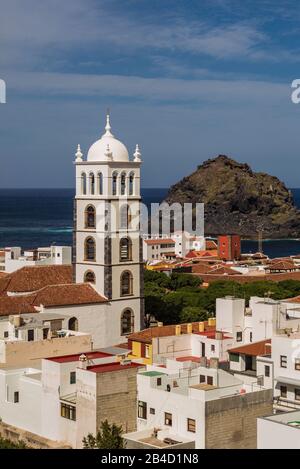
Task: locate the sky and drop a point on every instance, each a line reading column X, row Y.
column 186, row 79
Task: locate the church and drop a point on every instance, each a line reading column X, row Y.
column 107, row 246
column 102, row 294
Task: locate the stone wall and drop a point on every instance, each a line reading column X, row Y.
column 231, row 422
column 31, row 440
column 117, row 398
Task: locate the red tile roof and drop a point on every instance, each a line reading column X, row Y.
column 147, row 335
column 159, row 241
column 30, row 279
column 254, row 349
column 75, row 358
column 295, row 299
column 110, row 367
column 54, row 295
column 70, row 294
column 188, row 359
column 210, row 244
column 282, row 266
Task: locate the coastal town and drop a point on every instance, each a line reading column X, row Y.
column 82, row 342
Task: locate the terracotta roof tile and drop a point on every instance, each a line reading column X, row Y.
column 146, row 335
column 16, row 305
column 159, row 241
column 254, row 349
column 30, row 279
column 70, row 294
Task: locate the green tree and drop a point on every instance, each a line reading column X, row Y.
column 8, row 444
column 193, row 314
column 108, row 437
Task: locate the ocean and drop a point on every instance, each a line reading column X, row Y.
column 41, row 217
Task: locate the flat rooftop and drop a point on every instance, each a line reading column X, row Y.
column 110, row 367
column 203, row 387
column 75, row 358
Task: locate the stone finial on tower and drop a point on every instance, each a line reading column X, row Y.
column 137, row 154
column 108, row 153
column 78, row 154
column 108, row 126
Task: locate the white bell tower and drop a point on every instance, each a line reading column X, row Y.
column 107, row 246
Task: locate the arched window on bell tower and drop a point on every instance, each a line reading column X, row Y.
column 125, row 217
column 100, row 184
column 90, row 249
column 131, row 184
column 83, row 184
column 90, row 217
column 126, row 283
column 92, row 183
column 89, row 277
column 115, row 183
column 125, row 249
column 123, row 183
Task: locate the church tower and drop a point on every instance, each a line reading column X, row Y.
column 107, row 242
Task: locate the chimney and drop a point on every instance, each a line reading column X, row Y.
column 178, row 329
column 211, row 321
column 201, row 326
column 83, row 362
column 189, row 328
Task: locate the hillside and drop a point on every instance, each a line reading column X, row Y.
column 238, row 200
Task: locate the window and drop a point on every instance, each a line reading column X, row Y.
column 126, row 283
column 168, row 419
column 73, row 377
column 131, row 184
column 147, row 351
column 267, row 371
column 125, row 217
column 191, row 425
column 92, row 183
column 202, row 379
column 45, row 333
column 283, row 392
column 297, row 364
column 89, row 277
column 142, row 410
column 212, row 348
column 234, row 357
column 123, row 184
column 127, row 322
column 283, row 361
column 297, row 394
column 73, row 324
column 250, row 336
column 90, row 217
column 152, row 411
column 210, row 380
column 239, row 336
column 114, row 183
column 30, row 336
column 158, row 381
column 125, row 249
column 90, row 249
column 83, row 184
column 5, row 335
column 16, row 397
column 100, row 183
column 67, row 411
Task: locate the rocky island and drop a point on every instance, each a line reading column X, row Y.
column 239, row 200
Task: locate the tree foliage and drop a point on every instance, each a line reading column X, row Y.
column 108, row 437
column 8, row 444
column 179, row 298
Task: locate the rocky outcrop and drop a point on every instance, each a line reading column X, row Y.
column 238, row 200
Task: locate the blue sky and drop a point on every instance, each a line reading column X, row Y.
column 187, row 80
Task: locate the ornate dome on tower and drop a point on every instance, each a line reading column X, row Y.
column 108, row 147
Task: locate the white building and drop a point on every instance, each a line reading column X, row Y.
column 15, row 259
column 186, row 402
column 69, row 396
column 171, row 246
column 107, row 243
column 280, row 431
